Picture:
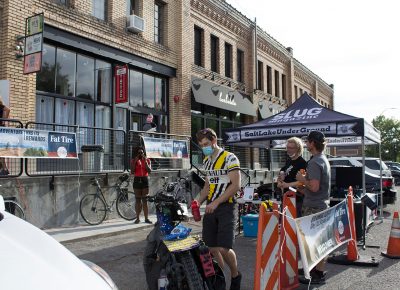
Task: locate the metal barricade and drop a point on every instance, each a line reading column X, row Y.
column 157, row 148
column 10, row 167
column 112, row 140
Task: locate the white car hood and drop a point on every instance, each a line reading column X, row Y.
column 31, row 259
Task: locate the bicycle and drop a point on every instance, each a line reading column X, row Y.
column 14, row 208
column 94, row 206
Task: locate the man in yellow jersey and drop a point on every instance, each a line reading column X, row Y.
column 222, row 182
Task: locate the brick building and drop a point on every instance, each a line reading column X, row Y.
column 181, row 41
column 190, row 63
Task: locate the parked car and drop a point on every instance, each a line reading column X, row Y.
column 395, row 170
column 372, row 165
column 392, row 163
column 31, row 259
column 344, row 176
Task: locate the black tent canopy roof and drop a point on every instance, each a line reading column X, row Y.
column 304, row 115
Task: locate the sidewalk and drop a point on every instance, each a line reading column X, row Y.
column 107, row 228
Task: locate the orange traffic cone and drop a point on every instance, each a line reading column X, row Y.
column 393, row 248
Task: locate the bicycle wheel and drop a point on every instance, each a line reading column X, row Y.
column 126, row 205
column 93, row 209
column 15, row 209
column 193, row 277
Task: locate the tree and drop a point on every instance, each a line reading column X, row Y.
column 390, row 137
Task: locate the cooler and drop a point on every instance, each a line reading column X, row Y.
column 250, row 225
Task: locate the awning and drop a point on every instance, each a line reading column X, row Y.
column 222, row 97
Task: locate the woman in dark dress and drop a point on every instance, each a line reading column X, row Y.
column 294, row 148
column 140, row 168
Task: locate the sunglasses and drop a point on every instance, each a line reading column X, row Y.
column 207, row 131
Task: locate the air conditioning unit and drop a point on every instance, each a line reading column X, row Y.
column 135, row 23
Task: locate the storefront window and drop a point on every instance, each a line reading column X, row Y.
column 148, row 91
column 65, row 72
column 65, row 112
column 85, row 77
column 225, row 115
column 135, row 88
column 103, row 117
column 159, row 94
column 211, row 111
column 213, row 124
column 197, row 125
column 103, row 81
column 163, row 123
column 44, row 109
column 45, row 80
column 85, row 114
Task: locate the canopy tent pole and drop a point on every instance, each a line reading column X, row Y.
column 363, row 163
column 381, row 189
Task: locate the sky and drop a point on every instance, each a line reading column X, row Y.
column 352, row 44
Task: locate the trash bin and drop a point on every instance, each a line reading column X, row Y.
column 250, row 225
column 92, row 157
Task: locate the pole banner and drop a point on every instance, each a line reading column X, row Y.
column 321, row 233
column 31, row 143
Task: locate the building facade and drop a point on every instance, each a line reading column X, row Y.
column 169, row 46
column 189, row 63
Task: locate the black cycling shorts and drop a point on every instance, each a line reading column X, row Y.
column 219, row 226
column 140, row 182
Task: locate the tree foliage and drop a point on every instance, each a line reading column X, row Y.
column 390, row 137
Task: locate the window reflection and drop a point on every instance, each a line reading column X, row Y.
column 135, row 88
column 85, row 77
column 44, row 109
column 64, row 112
column 103, row 81
column 159, row 94
column 148, row 91
column 65, row 72
column 45, row 79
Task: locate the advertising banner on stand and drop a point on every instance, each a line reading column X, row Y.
column 165, row 148
column 321, row 233
column 30, row 143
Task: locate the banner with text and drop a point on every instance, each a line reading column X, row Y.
column 30, row 143
column 165, row 148
column 321, row 233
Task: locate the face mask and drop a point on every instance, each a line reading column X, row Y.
column 208, row 150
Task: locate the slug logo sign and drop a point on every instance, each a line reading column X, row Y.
column 297, row 115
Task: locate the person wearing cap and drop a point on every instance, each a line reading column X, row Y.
column 222, row 170
column 294, row 149
column 316, row 190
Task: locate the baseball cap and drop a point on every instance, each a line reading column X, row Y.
column 316, row 136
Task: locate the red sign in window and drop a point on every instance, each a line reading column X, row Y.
column 121, row 84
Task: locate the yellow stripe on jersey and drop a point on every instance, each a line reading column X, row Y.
column 220, row 163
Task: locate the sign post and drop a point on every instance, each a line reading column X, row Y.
column 33, row 43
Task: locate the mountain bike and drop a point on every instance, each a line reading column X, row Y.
column 94, row 206
column 185, row 260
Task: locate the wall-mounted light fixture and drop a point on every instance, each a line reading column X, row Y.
column 19, row 46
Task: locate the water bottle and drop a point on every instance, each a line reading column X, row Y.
column 206, row 261
column 163, row 280
column 196, row 210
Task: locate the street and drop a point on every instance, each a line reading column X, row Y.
column 121, row 256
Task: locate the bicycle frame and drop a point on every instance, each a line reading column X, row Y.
column 99, row 192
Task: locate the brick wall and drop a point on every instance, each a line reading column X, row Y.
column 177, row 49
